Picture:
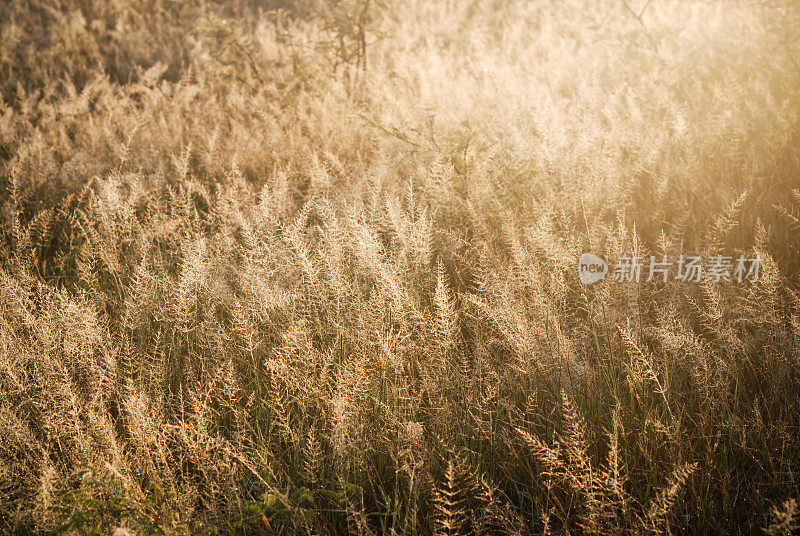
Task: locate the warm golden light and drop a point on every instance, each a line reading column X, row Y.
column 414, row 267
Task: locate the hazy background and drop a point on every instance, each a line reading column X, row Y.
column 311, row 267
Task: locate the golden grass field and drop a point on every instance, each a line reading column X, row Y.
column 311, row 268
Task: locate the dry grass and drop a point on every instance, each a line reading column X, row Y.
column 314, row 270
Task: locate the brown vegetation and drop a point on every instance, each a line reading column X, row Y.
column 313, row 269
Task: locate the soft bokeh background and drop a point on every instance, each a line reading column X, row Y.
column 311, row 267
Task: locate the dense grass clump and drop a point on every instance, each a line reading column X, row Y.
column 312, row 269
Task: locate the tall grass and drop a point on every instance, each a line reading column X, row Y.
column 313, row 269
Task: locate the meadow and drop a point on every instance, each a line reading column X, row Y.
column 311, row 267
